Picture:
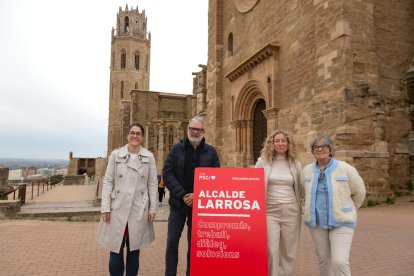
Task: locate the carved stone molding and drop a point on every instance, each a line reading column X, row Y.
column 271, row 113
column 244, row 6
column 263, row 54
column 239, row 123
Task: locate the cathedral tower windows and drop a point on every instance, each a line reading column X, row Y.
column 136, row 61
column 122, row 89
column 126, row 24
column 123, row 59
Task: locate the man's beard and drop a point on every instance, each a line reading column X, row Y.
column 195, row 140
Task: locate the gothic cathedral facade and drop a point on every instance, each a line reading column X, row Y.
column 333, row 67
column 339, row 68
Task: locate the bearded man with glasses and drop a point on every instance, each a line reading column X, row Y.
column 184, row 157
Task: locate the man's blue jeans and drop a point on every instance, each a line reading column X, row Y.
column 116, row 261
column 176, row 221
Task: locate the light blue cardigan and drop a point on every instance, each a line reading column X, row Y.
column 346, row 193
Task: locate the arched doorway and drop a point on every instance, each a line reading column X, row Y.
column 259, row 128
column 249, row 123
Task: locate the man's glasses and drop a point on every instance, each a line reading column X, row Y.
column 195, row 129
column 135, row 134
column 321, row 147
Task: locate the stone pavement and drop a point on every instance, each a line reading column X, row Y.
column 68, row 200
column 383, row 245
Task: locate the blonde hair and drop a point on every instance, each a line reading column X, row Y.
column 268, row 153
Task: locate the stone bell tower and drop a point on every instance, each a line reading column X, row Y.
column 130, row 69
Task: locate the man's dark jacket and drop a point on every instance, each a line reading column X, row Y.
column 173, row 170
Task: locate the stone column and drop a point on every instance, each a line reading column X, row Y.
column 410, row 92
column 4, row 176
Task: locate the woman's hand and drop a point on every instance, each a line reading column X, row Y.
column 106, row 217
column 151, row 217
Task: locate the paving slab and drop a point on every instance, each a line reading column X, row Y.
column 383, row 245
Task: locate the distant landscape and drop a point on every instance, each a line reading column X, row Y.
column 17, row 163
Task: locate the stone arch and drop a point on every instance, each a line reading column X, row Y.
column 249, row 99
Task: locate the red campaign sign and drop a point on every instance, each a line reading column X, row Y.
column 228, row 234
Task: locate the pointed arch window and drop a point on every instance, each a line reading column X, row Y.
column 123, row 59
column 122, row 89
column 170, row 137
column 126, row 24
column 230, row 45
column 136, row 61
column 136, row 85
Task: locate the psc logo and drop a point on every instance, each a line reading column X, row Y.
column 206, row 177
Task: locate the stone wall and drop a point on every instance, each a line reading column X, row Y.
column 336, row 68
column 162, row 114
column 4, row 176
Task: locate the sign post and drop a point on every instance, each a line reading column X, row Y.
column 228, row 234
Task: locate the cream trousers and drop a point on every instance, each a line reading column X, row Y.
column 283, row 234
column 332, row 248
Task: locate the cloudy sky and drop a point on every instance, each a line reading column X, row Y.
column 54, row 69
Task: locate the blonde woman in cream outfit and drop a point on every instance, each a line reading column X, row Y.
column 282, row 174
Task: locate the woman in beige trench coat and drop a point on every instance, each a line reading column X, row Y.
column 129, row 203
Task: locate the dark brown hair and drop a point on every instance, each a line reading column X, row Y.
column 140, row 126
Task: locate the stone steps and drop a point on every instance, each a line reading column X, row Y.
column 72, row 211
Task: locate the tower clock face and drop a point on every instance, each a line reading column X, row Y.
column 244, row 6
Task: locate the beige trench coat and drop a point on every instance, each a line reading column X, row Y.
column 128, row 192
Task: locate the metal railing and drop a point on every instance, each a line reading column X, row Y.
column 21, row 193
column 23, row 190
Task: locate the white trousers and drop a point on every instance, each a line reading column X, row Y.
column 283, row 234
column 332, row 248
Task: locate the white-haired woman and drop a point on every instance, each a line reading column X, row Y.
column 282, row 174
column 333, row 192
